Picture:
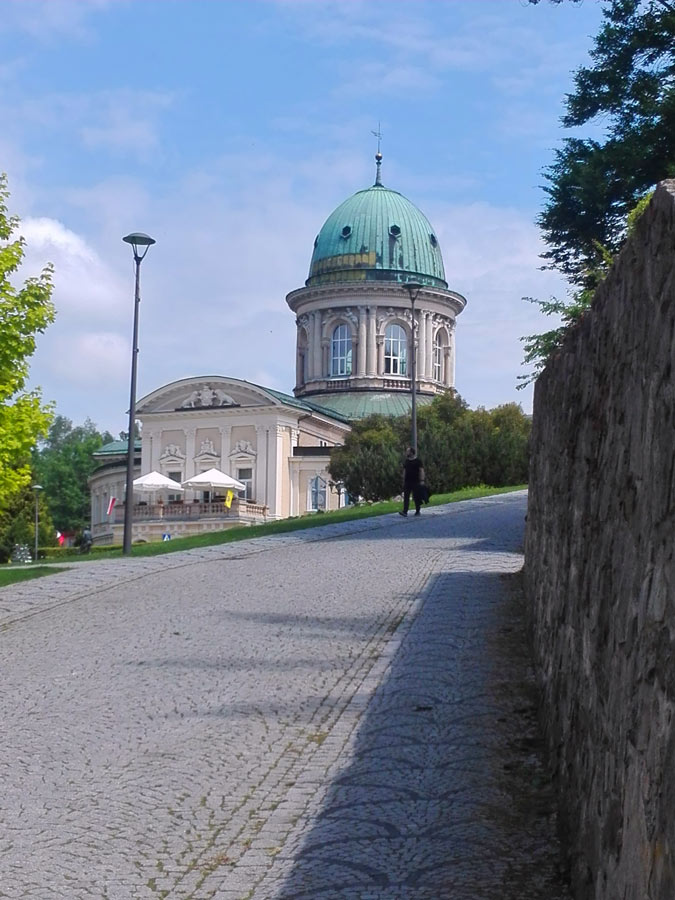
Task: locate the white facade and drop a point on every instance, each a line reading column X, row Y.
column 270, row 442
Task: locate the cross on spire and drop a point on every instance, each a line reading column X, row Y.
column 378, row 155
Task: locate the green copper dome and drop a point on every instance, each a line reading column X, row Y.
column 377, row 235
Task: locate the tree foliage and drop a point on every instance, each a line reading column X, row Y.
column 25, row 312
column 593, row 184
column 458, row 446
column 63, row 464
column 17, row 522
column 368, row 464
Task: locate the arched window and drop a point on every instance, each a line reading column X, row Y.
column 438, row 358
column 441, row 344
column 395, row 350
column 341, row 351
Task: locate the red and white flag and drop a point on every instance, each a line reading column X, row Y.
column 111, row 505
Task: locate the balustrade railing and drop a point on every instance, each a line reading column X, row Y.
column 196, row 510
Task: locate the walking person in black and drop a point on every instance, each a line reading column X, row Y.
column 413, row 479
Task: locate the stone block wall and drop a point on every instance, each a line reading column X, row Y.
column 600, row 571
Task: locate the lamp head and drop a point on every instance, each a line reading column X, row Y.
column 36, row 487
column 414, row 287
column 138, row 239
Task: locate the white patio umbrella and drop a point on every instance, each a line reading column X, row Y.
column 155, row 481
column 214, row 480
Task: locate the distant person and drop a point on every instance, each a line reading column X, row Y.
column 413, row 480
column 86, row 542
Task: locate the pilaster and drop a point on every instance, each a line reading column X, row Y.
column 225, row 446
column 429, row 337
column 316, row 344
column 371, row 363
column 189, row 451
column 261, row 468
column 361, row 348
column 422, row 345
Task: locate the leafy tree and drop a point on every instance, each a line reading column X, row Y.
column 593, row 184
column 17, row 522
column 369, row 462
column 63, row 464
column 24, row 313
column 508, row 446
column 597, row 188
column 459, row 447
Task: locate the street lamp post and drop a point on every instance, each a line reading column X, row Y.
column 414, row 287
column 36, row 488
column 138, row 241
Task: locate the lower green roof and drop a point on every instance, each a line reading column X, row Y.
column 115, row 448
column 360, row 404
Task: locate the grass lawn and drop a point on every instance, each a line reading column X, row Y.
column 14, row 573
column 315, row 520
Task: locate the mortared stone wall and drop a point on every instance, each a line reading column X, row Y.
column 600, row 570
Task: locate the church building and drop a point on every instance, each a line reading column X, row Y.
column 376, row 290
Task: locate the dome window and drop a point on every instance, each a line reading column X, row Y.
column 316, row 241
column 434, row 242
column 394, row 231
column 346, row 231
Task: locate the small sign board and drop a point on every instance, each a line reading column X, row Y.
column 166, row 536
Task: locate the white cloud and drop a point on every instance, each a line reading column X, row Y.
column 124, row 121
column 52, row 20
column 94, row 359
column 84, row 286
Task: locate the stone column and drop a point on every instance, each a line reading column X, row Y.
column 275, row 469
column 450, row 359
column 299, row 379
column 282, row 468
column 423, row 349
column 429, row 338
column 361, row 347
column 371, row 349
column 325, row 357
column 379, row 369
column 291, row 468
column 316, row 345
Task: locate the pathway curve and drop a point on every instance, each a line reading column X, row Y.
column 346, row 712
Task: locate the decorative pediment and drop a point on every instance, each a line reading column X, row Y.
column 391, row 314
column 207, row 397
column 207, row 453
column 205, row 394
column 243, row 448
column 172, row 451
column 207, row 448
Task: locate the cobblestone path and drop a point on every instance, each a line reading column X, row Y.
column 345, row 712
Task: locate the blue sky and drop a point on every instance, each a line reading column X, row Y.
column 230, row 130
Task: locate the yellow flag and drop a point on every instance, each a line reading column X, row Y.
column 228, row 498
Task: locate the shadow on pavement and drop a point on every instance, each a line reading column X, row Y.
column 446, row 794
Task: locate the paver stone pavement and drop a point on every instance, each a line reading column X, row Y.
column 345, row 712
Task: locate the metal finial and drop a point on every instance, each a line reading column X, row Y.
column 378, row 155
